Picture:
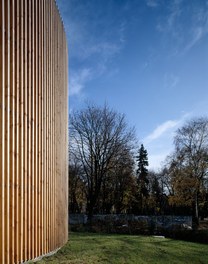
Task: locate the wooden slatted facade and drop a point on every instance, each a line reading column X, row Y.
column 33, row 130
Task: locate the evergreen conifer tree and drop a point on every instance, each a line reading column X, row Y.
column 142, row 176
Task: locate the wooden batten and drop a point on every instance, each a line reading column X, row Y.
column 33, row 130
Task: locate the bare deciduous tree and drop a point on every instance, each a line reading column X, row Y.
column 98, row 137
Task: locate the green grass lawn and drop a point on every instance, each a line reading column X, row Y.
column 94, row 248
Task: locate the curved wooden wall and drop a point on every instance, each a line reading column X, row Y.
column 33, row 130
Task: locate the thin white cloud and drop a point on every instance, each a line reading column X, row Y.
column 85, row 39
column 197, row 35
column 185, row 34
column 77, row 81
column 170, row 81
column 160, row 130
column 122, row 30
column 176, row 11
column 159, row 143
column 168, row 126
column 152, row 3
column 104, row 50
column 168, row 24
column 93, row 40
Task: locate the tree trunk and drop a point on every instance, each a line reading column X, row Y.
column 196, row 211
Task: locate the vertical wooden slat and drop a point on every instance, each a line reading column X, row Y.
column 41, row 124
column 50, row 132
column 52, row 126
column 29, row 131
column 12, row 132
column 44, row 132
column 32, row 127
column 46, row 116
column 16, row 132
column 7, row 130
column 55, row 124
column 38, row 126
column 33, row 130
column 25, row 132
column 49, row 124
column 2, row 132
column 56, row 134
column 36, row 237
column 22, row 145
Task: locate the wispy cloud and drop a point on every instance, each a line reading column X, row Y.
column 95, row 39
column 159, row 142
column 197, row 34
column 104, row 50
column 150, row 59
column 166, row 128
column 176, row 10
column 170, row 81
column 168, row 23
column 78, row 79
column 84, row 26
column 152, row 3
column 99, row 54
column 122, row 30
column 160, row 130
column 185, row 25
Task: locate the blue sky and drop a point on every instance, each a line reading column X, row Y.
column 147, row 59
